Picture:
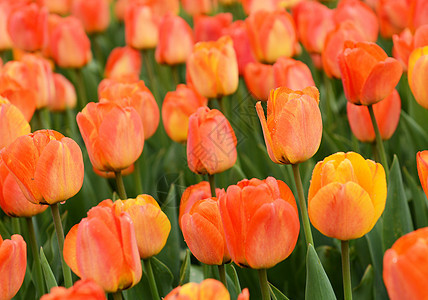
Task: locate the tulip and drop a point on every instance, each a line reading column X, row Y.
column 123, row 63
column 293, row 128
column 393, row 16
column 403, row 46
column 60, row 7
column 177, row 107
column 211, row 142
column 141, row 26
column 12, row 123
column 347, row 195
column 198, row 7
column 405, row 266
column 193, row 194
column 65, row 94
column 418, row 75
column 260, row 221
column 418, row 14
column 136, row 95
column 114, row 136
column 47, row 166
column 82, row 290
column 94, row 14
column 259, row 79
column 272, row 35
column 151, row 225
column 387, row 113
column 5, row 41
column 209, row 289
column 368, row 74
column 253, row 6
column 175, row 40
column 212, row 68
column 422, row 163
column 23, row 98
column 109, row 174
column 209, row 28
column 292, row 74
column 110, row 236
column 13, row 262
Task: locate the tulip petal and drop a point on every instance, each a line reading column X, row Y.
column 266, row 132
column 418, row 80
column 70, row 249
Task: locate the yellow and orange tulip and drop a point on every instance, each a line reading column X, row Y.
column 12, row 123
column 209, row 289
column 82, row 290
column 418, row 75
column 123, row 63
column 422, row 164
column 65, row 94
column 94, row 14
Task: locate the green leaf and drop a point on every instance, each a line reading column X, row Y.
column 275, row 293
column 396, row 217
column 233, row 275
column 330, row 258
column 364, row 291
column 47, row 271
column 185, row 269
column 418, row 201
column 318, row 286
column 163, row 276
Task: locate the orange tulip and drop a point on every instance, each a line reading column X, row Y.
column 114, row 136
column 260, row 221
column 403, row 46
column 177, row 107
column 212, row 68
column 387, row 113
column 23, row 98
column 103, row 247
column 253, row 6
column 203, row 232
column 193, row 194
column 418, row 75
column 209, row 289
column 82, row 290
column 405, row 266
column 210, row 28
column 65, row 94
column 292, row 74
column 393, row 16
column 347, row 195
column 13, row 262
column 136, row 95
column 198, row 7
column 141, row 26
column 211, row 142
column 47, row 166
column 109, row 174
column 175, row 40
column 293, row 128
column 272, row 35
column 422, row 163
column 418, row 14
column 12, row 123
column 151, row 225
column 5, row 9
column 368, row 74
column 259, row 79
column 60, row 7
column 94, row 14
column 123, row 63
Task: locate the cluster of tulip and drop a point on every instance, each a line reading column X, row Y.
column 187, row 91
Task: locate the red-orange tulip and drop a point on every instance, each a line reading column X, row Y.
column 198, row 7
column 60, row 7
column 94, row 14
column 368, row 74
column 293, row 128
column 5, row 9
column 114, row 136
column 422, row 163
column 209, row 289
column 347, row 195
column 418, row 75
column 23, row 98
column 403, row 46
column 12, row 123
column 292, row 74
column 211, row 142
column 210, row 28
column 253, row 6
column 141, row 26
column 177, row 107
column 103, row 247
column 65, row 94
column 82, row 290
column 47, row 166
column 260, row 221
column 405, row 266
column 193, row 194
column 259, row 79
column 418, row 14
column 393, row 16
column 110, row 174
column 123, row 63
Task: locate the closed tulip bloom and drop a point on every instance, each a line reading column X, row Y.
column 60, row 7
column 387, row 113
column 12, row 123
column 208, row 289
column 418, row 14
column 422, row 164
column 259, row 79
column 198, row 7
column 211, row 142
column 82, row 290
column 403, row 46
column 393, row 16
column 151, row 225
column 94, row 14
column 111, row 175
column 293, row 128
column 292, row 74
column 103, row 247
column 13, row 262
column 347, row 195
column 65, row 94
column 123, row 63
column 177, row 107
column 47, row 166
column 175, row 40
column 212, row 68
column 368, row 74
column 260, row 222
column 203, row 232
column 5, row 41
column 272, row 35
column 405, row 266
column 253, row 6
column 141, row 26
column 418, row 75
column 114, row 136
column 210, row 28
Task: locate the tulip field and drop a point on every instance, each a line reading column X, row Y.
column 227, row 149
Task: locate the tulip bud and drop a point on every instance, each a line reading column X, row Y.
column 193, row 194
column 210, row 28
column 199, row 7
column 209, row 289
column 12, row 123
column 94, row 14
column 65, row 94
column 141, row 26
column 292, row 74
column 417, row 75
column 393, row 16
column 259, row 79
column 82, row 290
column 123, row 63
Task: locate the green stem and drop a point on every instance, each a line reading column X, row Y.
column 346, row 271
column 15, row 226
column 329, row 97
column 264, row 285
column 117, row 295
column 120, row 186
column 151, row 278
column 222, row 273
column 211, row 180
column 175, row 76
column 221, row 104
column 36, row 258
column 379, row 142
column 137, row 176
column 80, row 88
column 147, row 61
column 302, row 204
column 60, row 236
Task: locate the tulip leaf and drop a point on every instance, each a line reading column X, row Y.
column 396, row 216
column 275, row 293
column 330, row 258
column 163, row 276
column 233, row 275
column 47, row 271
column 185, row 269
column 419, row 201
column 318, row 285
column 364, row 291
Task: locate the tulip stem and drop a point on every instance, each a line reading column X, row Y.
column 346, row 271
column 147, row 61
column 302, row 204
column 120, row 186
column 151, row 278
column 40, row 285
column 137, row 176
column 16, row 227
column 60, row 236
column 222, row 273
column 379, row 142
column 117, row 295
column 175, row 76
column 264, row 284
column 211, row 180
column 80, row 88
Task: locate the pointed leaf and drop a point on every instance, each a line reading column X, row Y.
column 275, row 293
column 419, row 201
column 185, row 269
column 47, row 271
column 364, row 291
